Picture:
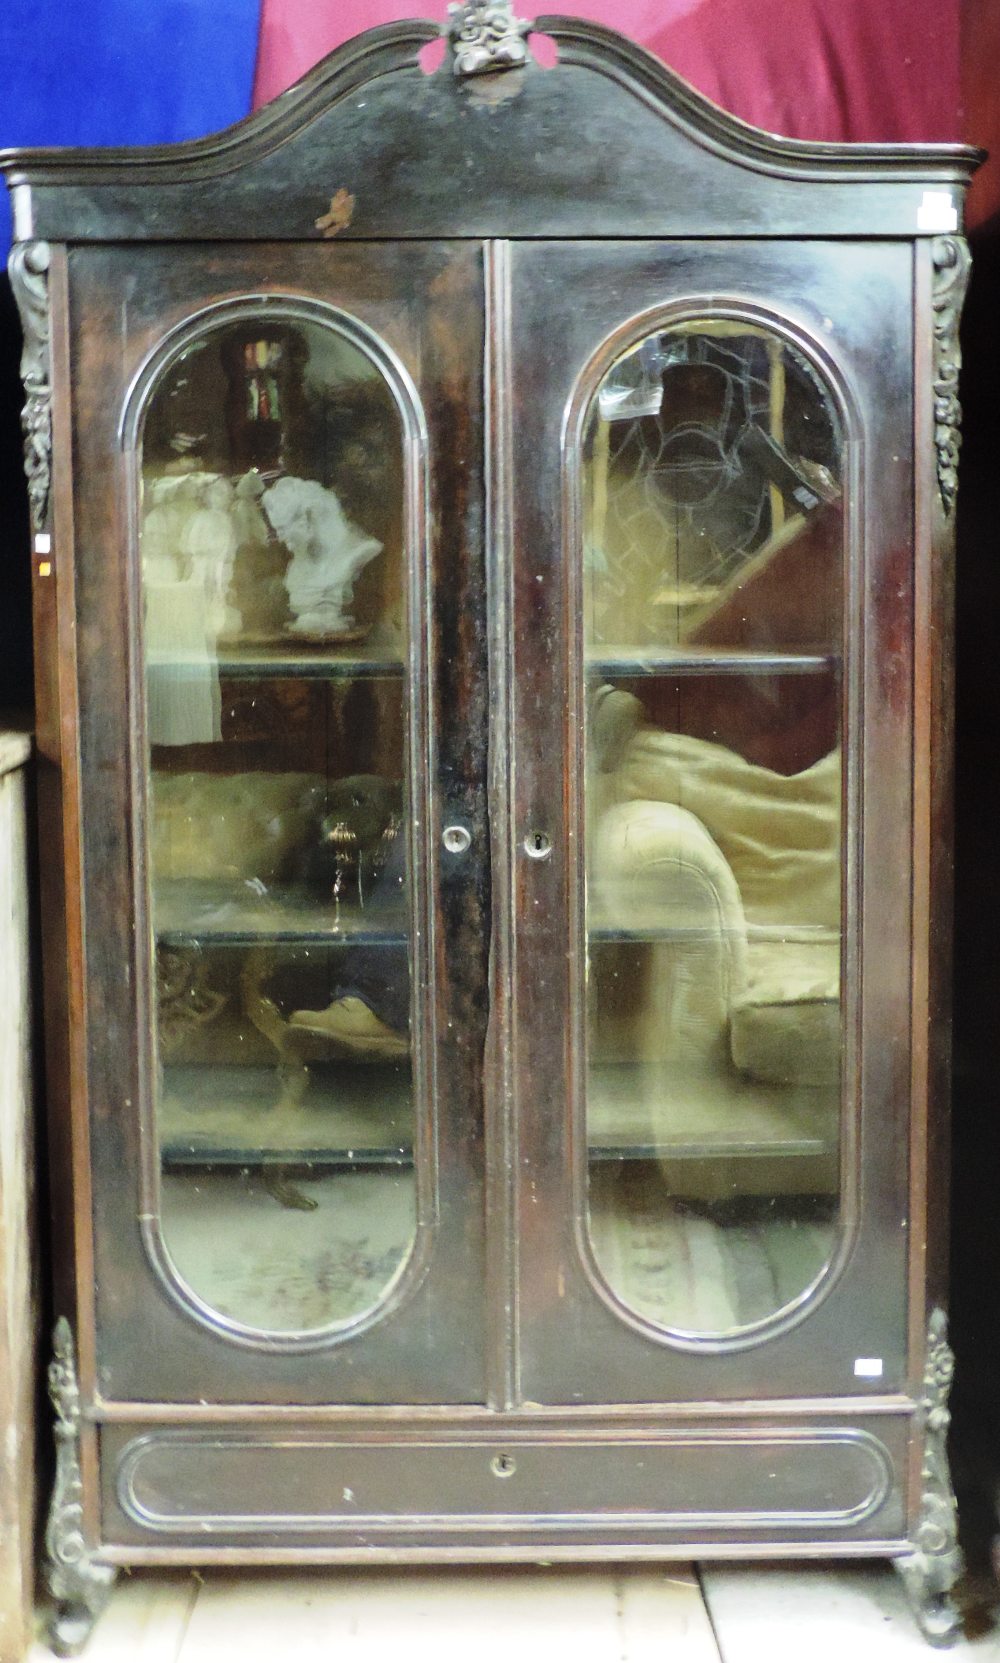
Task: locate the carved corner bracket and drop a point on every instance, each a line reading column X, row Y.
column 486, row 37
column 29, row 276
column 951, row 275
column 932, row 1568
column 78, row 1585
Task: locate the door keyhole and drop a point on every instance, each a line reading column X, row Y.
column 538, row 845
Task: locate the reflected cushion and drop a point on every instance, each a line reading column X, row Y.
column 780, row 833
column 785, row 1024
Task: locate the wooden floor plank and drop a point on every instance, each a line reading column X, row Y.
column 437, row 1616
column 664, row 1616
column 827, row 1613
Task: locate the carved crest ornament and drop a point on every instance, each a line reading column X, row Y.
column 486, row 37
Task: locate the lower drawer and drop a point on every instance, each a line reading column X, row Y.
column 781, row 1484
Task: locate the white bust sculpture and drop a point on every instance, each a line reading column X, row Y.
column 327, row 554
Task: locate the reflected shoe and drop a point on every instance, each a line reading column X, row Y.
column 352, row 1025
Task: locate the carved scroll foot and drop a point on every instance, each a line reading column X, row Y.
column 928, row 1582
column 79, row 1586
column 72, row 1622
column 931, row 1570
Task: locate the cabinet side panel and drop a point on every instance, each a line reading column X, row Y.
column 940, row 276
column 59, row 856
column 936, row 324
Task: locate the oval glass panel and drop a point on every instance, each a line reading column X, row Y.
column 713, row 601
column 275, row 637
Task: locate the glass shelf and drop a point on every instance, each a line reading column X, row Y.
column 601, row 934
column 275, row 662
column 625, row 662
column 359, row 1114
column 659, row 1110
column 193, row 913
column 355, row 1114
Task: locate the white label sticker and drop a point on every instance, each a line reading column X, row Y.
column 868, row 1368
column 43, row 543
column 937, row 212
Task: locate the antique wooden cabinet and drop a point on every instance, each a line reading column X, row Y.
column 492, row 541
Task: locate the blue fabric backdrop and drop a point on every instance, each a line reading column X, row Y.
column 97, row 72
column 122, row 71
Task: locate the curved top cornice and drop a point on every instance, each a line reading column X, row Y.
column 608, row 143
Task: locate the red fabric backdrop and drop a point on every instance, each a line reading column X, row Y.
column 813, row 69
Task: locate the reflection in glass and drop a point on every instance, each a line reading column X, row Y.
column 271, row 543
column 713, row 602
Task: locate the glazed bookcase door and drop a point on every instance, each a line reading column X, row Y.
column 285, row 1054
column 710, row 605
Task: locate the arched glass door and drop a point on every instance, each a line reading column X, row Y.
column 274, row 548
column 713, row 613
